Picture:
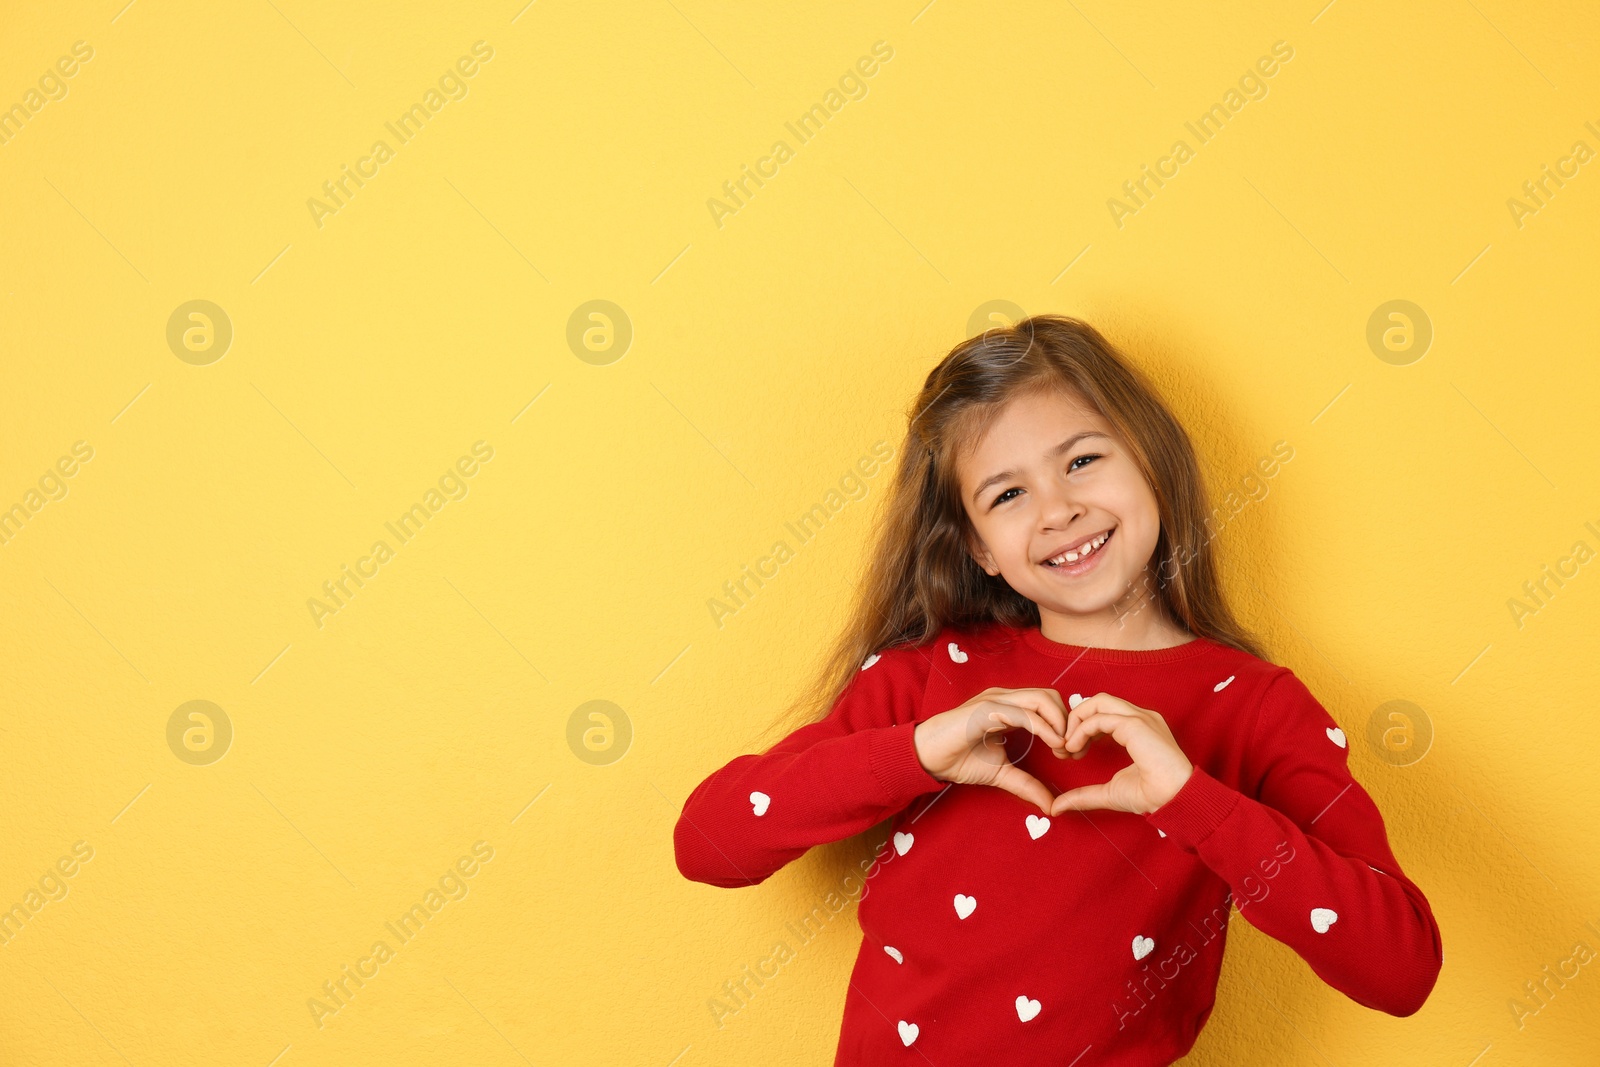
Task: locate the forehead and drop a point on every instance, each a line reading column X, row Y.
column 1023, row 429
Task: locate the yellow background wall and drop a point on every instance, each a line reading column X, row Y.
column 441, row 707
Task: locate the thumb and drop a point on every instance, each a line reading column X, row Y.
column 1022, row 784
column 1084, row 798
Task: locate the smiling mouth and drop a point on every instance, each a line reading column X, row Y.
column 1078, row 557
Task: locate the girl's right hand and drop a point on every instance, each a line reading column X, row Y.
column 966, row 744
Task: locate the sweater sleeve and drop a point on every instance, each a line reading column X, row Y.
column 826, row 781
column 1307, row 857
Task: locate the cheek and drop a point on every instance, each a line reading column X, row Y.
column 1148, row 520
column 1009, row 543
column 1139, row 521
column 1008, row 540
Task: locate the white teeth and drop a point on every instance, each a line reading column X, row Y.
column 1073, row 557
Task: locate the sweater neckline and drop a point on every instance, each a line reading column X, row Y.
column 1036, row 639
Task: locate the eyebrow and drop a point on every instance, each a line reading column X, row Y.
column 1059, row 450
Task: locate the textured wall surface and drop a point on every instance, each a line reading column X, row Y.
column 334, row 500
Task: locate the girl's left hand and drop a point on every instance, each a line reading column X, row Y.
column 1159, row 766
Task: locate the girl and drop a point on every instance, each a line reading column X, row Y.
column 1044, row 572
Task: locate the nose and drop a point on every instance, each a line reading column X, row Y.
column 1057, row 506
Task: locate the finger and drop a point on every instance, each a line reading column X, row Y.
column 1110, row 723
column 1083, row 798
column 1052, row 707
column 1047, row 702
column 1096, row 725
column 1092, row 704
column 1020, row 783
column 1086, row 707
column 1005, row 716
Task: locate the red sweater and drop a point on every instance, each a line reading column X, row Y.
column 993, row 934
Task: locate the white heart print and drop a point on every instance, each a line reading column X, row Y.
column 902, row 843
column 1037, row 825
column 1336, row 735
column 965, row 905
column 759, row 802
column 871, row 660
column 908, row 1033
column 956, row 653
column 1027, row 1009
column 1322, row 918
column 894, row 953
column 1142, row 946
column 1220, row 686
column 1074, row 700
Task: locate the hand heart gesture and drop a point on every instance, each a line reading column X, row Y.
column 1159, row 766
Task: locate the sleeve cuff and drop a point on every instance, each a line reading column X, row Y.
column 892, row 755
column 1197, row 809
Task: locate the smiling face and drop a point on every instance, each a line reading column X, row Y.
column 1063, row 514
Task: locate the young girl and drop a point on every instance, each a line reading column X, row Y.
column 1044, row 575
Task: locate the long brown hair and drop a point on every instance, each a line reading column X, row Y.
column 919, row 576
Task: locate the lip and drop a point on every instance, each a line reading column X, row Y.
column 1083, row 566
column 1073, row 546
